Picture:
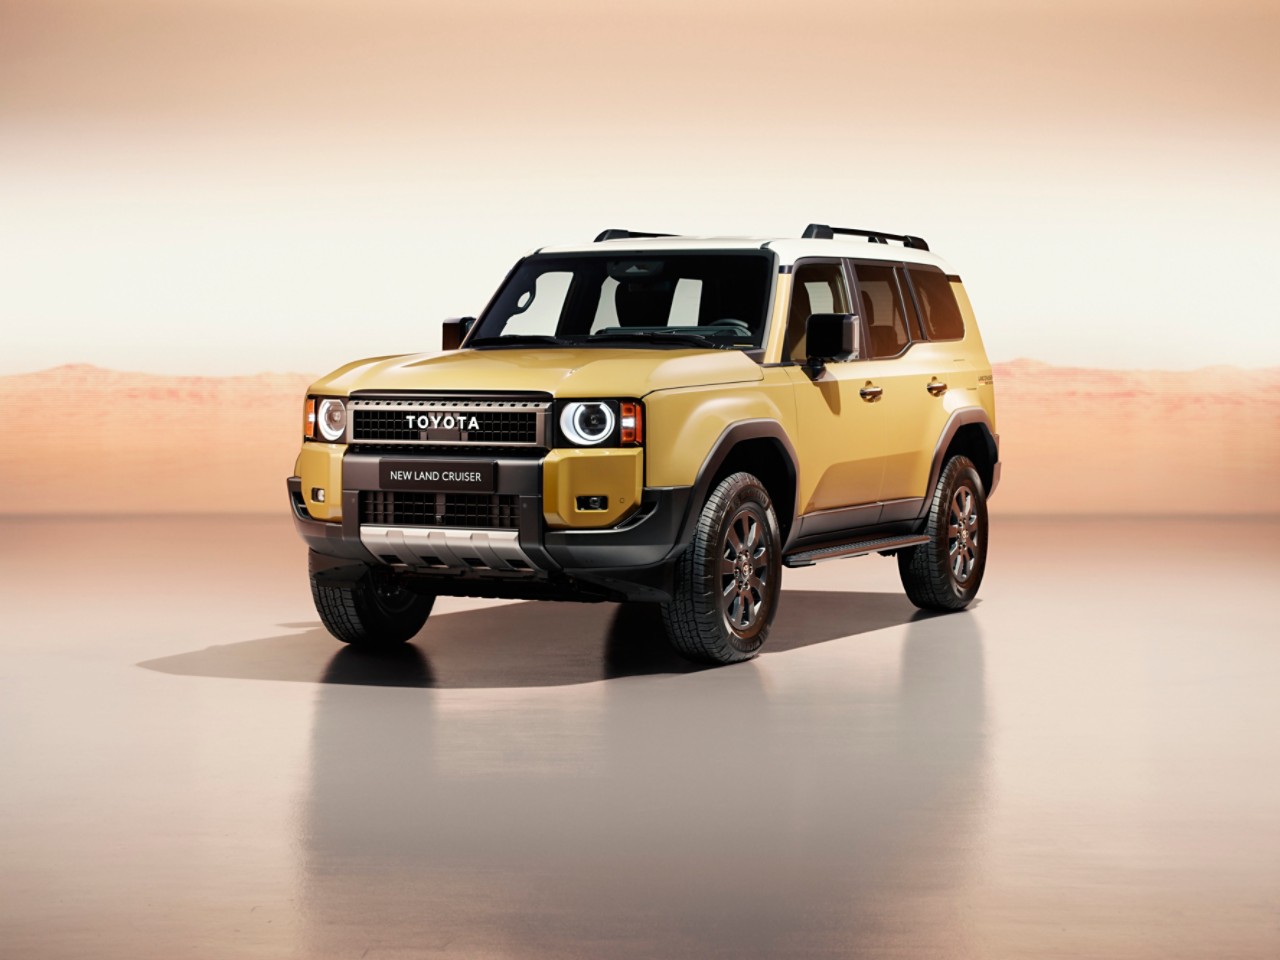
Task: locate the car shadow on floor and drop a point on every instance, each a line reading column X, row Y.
column 534, row 644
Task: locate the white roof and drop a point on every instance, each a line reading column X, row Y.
column 788, row 249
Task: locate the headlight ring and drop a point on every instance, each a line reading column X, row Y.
column 587, row 423
column 331, row 419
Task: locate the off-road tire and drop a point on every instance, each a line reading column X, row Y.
column 945, row 573
column 736, row 554
column 372, row 613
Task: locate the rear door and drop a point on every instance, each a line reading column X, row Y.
column 912, row 373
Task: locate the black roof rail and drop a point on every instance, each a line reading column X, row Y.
column 820, row 231
column 613, row 233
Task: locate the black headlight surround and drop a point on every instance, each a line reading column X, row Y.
column 614, row 439
column 312, row 432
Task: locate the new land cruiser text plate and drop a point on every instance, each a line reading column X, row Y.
column 438, row 476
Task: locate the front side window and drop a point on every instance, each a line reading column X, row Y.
column 939, row 312
column 816, row 287
column 714, row 300
column 883, row 312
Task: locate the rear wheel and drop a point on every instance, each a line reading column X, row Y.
column 945, row 573
column 728, row 580
column 374, row 612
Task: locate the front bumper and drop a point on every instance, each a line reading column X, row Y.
column 629, row 561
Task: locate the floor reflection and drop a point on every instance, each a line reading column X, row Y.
column 739, row 812
column 526, row 645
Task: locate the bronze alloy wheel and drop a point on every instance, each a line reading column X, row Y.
column 392, row 597
column 964, row 536
column 744, row 571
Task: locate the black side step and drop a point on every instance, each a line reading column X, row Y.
column 853, row 548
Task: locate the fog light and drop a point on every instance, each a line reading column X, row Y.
column 593, row 503
column 317, row 494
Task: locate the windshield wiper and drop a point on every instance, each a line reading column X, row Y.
column 516, row 339
column 670, row 336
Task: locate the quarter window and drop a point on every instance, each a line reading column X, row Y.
column 883, row 313
column 939, row 312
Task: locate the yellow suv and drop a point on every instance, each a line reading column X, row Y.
column 661, row 419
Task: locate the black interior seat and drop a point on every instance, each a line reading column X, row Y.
column 882, row 339
column 644, row 303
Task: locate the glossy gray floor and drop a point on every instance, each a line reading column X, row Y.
column 1087, row 763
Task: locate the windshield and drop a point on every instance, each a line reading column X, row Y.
column 713, row 300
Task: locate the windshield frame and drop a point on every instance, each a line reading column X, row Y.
column 756, row 351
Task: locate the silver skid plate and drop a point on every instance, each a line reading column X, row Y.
column 452, row 547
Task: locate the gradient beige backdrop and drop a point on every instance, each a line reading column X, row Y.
column 199, row 197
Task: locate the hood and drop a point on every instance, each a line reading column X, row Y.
column 561, row 371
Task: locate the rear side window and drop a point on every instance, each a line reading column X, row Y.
column 939, row 312
column 882, row 310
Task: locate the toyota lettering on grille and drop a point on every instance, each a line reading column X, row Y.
column 441, row 421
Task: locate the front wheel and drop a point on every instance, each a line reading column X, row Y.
column 728, row 580
column 374, row 612
column 945, row 573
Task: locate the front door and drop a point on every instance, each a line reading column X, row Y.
column 841, row 448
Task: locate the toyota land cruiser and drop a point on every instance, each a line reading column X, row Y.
column 660, row 419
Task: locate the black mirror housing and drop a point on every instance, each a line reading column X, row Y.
column 454, row 331
column 831, row 336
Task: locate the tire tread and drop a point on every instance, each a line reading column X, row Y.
column 923, row 569
column 352, row 615
column 692, row 617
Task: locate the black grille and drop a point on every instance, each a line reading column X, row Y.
column 462, row 450
column 497, row 424
column 400, row 508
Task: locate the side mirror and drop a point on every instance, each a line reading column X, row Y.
column 454, row 331
column 832, row 336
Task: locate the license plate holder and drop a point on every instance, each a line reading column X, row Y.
column 439, row 476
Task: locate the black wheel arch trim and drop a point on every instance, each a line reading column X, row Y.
column 966, row 416
column 735, row 433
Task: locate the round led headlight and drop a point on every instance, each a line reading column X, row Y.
column 586, row 424
column 331, row 419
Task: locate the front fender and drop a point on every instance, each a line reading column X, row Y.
column 683, row 426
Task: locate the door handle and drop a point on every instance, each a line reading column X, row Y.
column 870, row 393
column 936, row 387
